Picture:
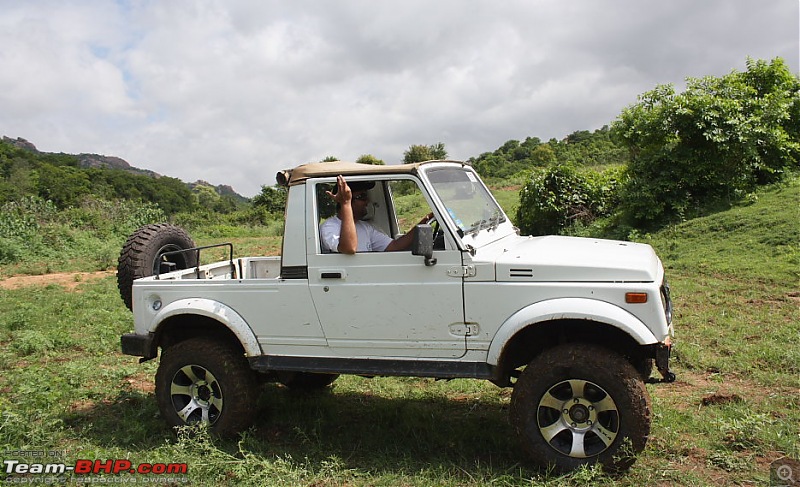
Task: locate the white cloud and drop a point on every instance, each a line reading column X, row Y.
column 232, row 91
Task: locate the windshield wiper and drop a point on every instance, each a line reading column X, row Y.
column 490, row 223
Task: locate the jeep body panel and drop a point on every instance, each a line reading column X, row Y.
column 485, row 285
column 573, row 259
column 558, row 309
column 220, row 312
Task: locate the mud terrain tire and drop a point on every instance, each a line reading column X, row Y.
column 580, row 404
column 141, row 255
column 203, row 380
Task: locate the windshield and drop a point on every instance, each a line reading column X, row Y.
column 468, row 203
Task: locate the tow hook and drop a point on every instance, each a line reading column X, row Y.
column 662, row 363
column 667, row 376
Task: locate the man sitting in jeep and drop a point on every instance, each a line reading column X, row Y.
column 348, row 233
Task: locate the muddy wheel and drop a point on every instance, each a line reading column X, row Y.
column 200, row 380
column 580, row 404
column 306, row 381
column 142, row 255
column 645, row 368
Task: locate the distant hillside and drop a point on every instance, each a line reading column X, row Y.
column 99, row 161
column 221, row 189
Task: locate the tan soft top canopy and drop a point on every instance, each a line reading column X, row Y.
column 329, row 169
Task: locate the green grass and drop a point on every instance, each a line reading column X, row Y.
column 736, row 279
column 735, row 408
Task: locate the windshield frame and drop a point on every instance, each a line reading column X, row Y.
column 492, row 223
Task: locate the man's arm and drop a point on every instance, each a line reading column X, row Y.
column 348, row 238
column 404, row 242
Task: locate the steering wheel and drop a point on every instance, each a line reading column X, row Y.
column 438, row 234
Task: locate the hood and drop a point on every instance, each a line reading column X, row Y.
column 573, row 259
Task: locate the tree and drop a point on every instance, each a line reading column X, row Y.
column 543, row 156
column 421, row 153
column 271, row 199
column 63, row 185
column 370, row 159
column 207, row 197
column 711, row 144
column 438, row 151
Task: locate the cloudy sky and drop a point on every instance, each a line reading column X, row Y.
column 231, row 91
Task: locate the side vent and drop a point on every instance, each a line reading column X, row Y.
column 520, row 273
column 294, row 272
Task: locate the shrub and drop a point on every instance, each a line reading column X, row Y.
column 34, row 229
column 562, row 196
column 710, row 145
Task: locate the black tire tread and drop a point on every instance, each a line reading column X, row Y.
column 138, row 254
column 229, row 366
column 590, row 362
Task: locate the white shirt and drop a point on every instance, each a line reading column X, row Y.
column 370, row 239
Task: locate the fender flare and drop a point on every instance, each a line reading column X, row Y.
column 568, row 309
column 216, row 311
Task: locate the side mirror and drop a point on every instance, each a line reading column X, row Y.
column 423, row 243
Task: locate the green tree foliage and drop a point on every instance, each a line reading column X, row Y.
column 581, row 148
column 63, row 185
column 711, row 144
column 563, row 196
column 17, row 175
column 207, row 197
column 370, row 159
column 271, row 199
column 421, row 153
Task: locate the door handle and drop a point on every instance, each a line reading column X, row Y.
column 332, row 274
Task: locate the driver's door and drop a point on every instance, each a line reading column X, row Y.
column 389, row 304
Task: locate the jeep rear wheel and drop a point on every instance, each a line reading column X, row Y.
column 581, row 404
column 200, row 380
column 142, row 255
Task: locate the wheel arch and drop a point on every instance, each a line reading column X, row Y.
column 544, row 325
column 191, row 318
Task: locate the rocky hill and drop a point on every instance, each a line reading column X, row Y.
column 113, row 162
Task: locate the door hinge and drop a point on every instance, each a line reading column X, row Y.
column 461, row 271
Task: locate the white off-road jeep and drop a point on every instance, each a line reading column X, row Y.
column 574, row 325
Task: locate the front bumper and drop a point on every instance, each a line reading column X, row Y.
column 139, row 345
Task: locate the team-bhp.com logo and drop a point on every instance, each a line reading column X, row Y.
column 22, row 472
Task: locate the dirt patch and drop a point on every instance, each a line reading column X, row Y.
column 68, row 280
column 719, row 399
column 140, row 382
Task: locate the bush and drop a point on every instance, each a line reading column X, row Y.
column 562, row 196
column 33, row 229
column 711, row 145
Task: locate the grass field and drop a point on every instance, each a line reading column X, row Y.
column 68, row 392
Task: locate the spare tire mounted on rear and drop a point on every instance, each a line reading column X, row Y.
column 142, row 255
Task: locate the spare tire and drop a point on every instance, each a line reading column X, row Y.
column 141, row 256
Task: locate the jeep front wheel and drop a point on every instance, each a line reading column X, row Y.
column 200, row 380
column 581, row 404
